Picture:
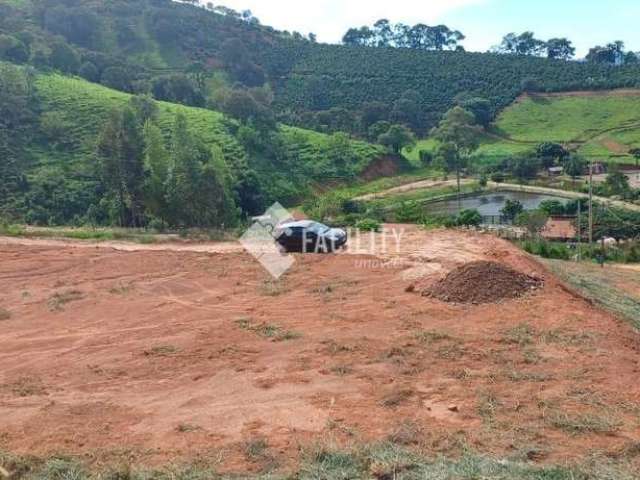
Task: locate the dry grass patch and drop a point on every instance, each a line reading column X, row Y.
column 407, row 433
column 27, row 387
column 58, row 300
column 162, row 351
column 575, row 424
column 396, row 398
column 266, row 330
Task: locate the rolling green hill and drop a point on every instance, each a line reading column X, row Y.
column 129, row 44
column 603, row 125
column 60, row 167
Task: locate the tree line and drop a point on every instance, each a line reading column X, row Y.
column 383, row 33
column 184, row 183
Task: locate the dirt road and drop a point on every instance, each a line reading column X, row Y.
column 163, row 355
column 209, row 247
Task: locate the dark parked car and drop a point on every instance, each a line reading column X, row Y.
column 309, row 237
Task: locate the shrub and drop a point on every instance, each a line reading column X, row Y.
column 469, row 218
column 368, row 225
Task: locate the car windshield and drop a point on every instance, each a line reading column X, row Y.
column 318, row 228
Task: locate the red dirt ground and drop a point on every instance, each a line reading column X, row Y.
column 163, row 355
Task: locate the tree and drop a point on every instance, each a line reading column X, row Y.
column 530, row 85
column 363, row 37
column 120, row 150
column 552, row 207
column 116, row 78
column 636, row 154
column 145, row 107
column 524, row 166
column 419, row 37
column 156, row 165
column 469, row 218
column 481, row 109
column 13, row 49
column 617, row 183
column 560, row 48
column 377, row 129
column 534, row 221
column 511, row 209
column 177, row 88
column 373, row 112
column 575, row 166
column 458, row 134
column 247, row 107
column 397, row 138
column 442, row 38
column 17, row 121
column 64, row 58
column 196, row 190
column 89, row 72
column 611, row 54
column 523, row 44
column 450, row 159
column 550, row 153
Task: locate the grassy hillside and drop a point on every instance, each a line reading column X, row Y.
column 306, row 159
column 600, row 125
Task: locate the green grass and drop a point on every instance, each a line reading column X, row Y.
column 566, row 118
column 602, row 285
column 387, row 460
column 604, row 126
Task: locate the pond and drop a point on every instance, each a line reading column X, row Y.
column 489, row 204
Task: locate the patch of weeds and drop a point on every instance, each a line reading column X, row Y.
column 338, row 425
column 519, row 376
column 327, row 463
column 58, row 300
column 334, row 348
column 587, row 397
column 187, row 428
column 121, row 289
column 396, row 398
column 432, row 336
column 266, row 330
column 560, row 336
column 584, row 423
column 255, row 449
column 4, row 314
column 323, row 289
column 451, row 351
column 531, row 356
column 523, row 334
column 27, row 387
column 342, row 370
column 272, row 288
column 462, row 374
column 162, row 351
column 407, row 433
column 488, row 405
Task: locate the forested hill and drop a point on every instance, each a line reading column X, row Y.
column 138, row 45
column 75, row 152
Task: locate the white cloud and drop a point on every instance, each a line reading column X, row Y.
column 330, row 19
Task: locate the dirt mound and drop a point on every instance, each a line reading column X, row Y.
column 482, row 282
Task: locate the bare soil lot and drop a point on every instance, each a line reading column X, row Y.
column 159, row 356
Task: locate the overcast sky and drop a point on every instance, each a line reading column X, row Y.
column 484, row 22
